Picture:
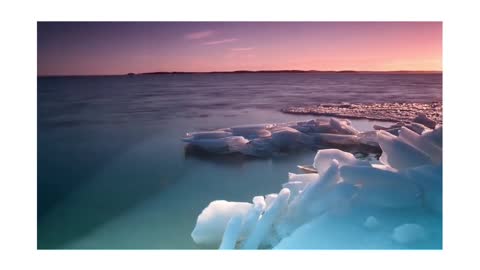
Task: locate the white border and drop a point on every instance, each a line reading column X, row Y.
column 18, row 144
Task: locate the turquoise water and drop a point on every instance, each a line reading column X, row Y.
column 112, row 171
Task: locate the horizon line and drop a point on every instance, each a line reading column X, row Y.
column 245, row 71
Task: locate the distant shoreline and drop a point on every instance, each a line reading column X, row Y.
column 256, row 71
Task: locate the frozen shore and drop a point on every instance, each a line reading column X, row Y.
column 344, row 203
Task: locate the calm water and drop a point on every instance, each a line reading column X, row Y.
column 112, row 172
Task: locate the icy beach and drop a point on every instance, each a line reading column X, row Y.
column 344, row 202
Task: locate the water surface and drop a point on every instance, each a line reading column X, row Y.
column 112, row 172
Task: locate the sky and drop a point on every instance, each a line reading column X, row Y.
column 105, row 48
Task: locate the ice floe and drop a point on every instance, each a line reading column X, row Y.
column 342, row 202
column 213, row 220
column 266, row 140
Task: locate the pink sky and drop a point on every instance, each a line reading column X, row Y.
column 118, row 48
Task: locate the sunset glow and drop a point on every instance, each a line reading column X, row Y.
column 120, row 48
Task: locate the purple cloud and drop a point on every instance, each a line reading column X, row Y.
column 199, row 35
column 241, row 49
column 215, row 42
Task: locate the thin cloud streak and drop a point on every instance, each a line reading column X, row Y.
column 241, row 49
column 199, row 35
column 126, row 47
column 215, row 42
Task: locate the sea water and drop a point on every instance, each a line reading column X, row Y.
column 112, row 170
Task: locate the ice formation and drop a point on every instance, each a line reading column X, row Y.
column 266, row 140
column 428, row 114
column 347, row 203
column 214, row 219
column 232, row 233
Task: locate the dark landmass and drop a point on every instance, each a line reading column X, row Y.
column 296, row 71
column 260, row 71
